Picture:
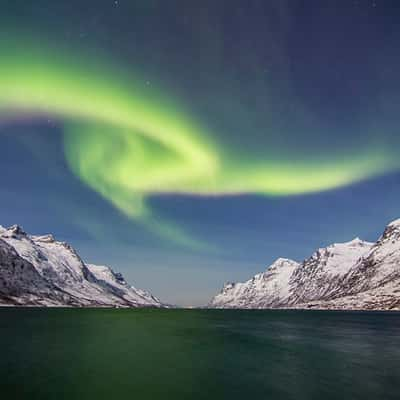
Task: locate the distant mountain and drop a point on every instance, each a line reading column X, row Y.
column 38, row 270
column 265, row 290
column 354, row 275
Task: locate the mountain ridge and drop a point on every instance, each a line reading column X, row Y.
column 38, row 270
column 354, row 275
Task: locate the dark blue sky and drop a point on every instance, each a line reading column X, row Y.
column 299, row 80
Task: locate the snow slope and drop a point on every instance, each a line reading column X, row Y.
column 54, row 273
column 351, row 275
column 268, row 289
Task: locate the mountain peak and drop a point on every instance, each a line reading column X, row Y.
column 392, row 231
column 281, row 263
column 395, row 223
column 352, row 243
column 16, row 230
column 228, row 285
column 44, row 238
column 13, row 232
column 358, row 242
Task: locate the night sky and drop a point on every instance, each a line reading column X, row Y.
column 187, row 143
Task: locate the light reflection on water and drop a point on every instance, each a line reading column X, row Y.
column 198, row 354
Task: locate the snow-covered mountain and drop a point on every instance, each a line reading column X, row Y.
column 351, row 275
column 38, row 270
column 268, row 289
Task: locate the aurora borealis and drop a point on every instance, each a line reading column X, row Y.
column 127, row 144
column 217, row 104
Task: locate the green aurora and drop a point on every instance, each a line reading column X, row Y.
column 127, row 141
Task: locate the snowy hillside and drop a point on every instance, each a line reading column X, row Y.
column 268, row 289
column 351, row 275
column 38, row 270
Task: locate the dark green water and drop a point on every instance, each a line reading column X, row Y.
column 199, row 354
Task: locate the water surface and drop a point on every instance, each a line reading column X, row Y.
column 198, row 354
